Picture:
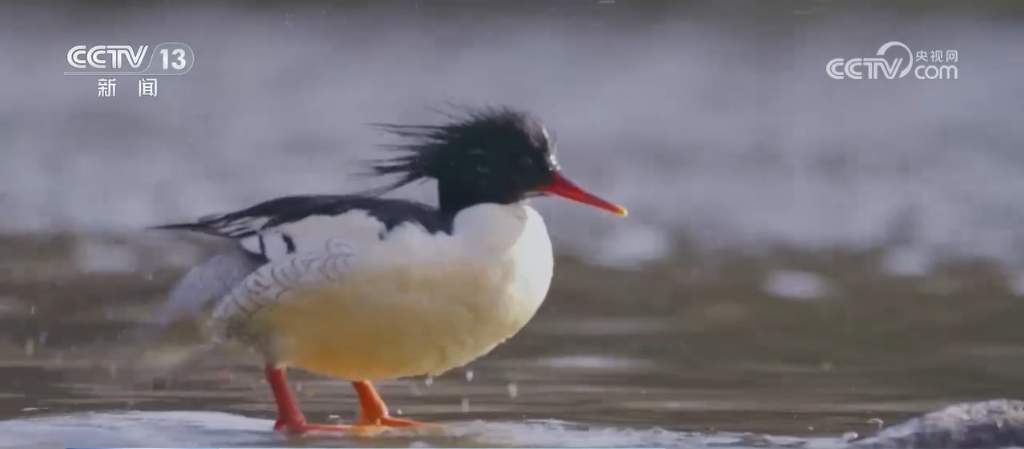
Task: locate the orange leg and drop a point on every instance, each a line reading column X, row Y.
column 289, row 417
column 373, row 411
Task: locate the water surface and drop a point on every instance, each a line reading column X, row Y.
column 704, row 348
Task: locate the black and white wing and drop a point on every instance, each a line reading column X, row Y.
column 285, row 243
column 294, row 224
column 250, row 221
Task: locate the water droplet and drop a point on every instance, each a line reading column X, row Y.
column 878, row 422
column 428, row 381
column 469, row 375
column 465, row 405
column 513, row 390
column 398, row 412
column 850, row 436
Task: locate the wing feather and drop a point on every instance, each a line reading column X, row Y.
column 277, row 281
column 267, row 215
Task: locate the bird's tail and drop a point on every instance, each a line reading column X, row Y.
column 178, row 335
column 179, row 226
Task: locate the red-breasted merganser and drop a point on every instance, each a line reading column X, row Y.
column 364, row 288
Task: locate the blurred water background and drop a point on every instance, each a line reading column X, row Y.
column 803, row 254
column 714, row 123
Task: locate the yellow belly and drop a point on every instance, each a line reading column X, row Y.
column 402, row 322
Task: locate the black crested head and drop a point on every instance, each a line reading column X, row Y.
column 489, row 155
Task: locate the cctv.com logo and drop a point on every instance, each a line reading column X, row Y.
column 895, row 60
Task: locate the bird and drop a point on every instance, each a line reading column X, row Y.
column 363, row 287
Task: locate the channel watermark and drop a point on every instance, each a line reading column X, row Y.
column 895, row 60
column 168, row 58
column 110, row 61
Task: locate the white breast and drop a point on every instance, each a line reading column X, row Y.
column 411, row 303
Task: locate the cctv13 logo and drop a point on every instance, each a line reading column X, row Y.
column 167, row 58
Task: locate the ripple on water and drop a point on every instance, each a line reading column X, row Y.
column 185, row 429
